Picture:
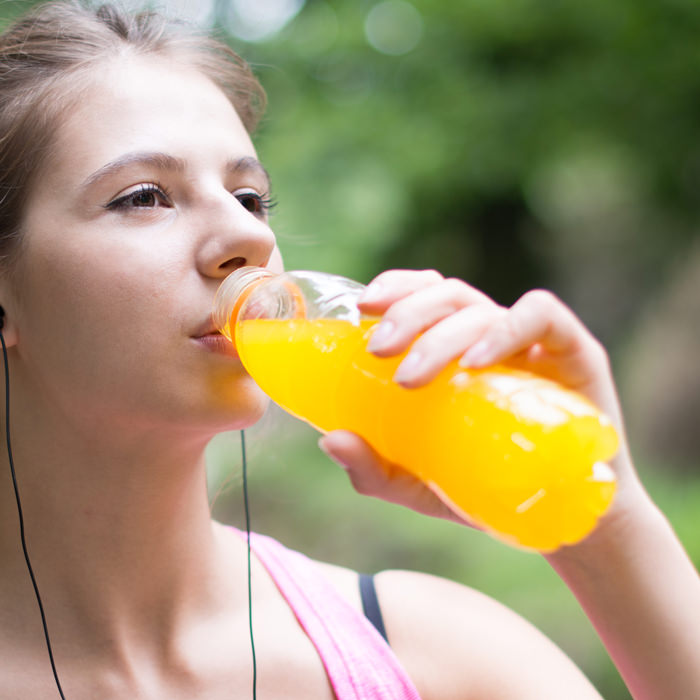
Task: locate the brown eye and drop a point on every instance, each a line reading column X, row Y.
column 255, row 203
column 251, row 202
column 144, row 199
column 147, row 196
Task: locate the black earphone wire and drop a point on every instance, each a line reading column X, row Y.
column 20, row 515
column 250, row 583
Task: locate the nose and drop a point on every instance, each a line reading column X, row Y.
column 232, row 237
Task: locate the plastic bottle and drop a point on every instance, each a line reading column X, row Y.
column 518, row 455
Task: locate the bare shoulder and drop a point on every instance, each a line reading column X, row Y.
column 457, row 643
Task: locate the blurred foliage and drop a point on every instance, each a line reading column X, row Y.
column 517, row 144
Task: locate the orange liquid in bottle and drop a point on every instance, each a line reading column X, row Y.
column 516, row 454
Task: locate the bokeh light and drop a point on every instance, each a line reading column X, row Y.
column 394, row 27
column 259, row 20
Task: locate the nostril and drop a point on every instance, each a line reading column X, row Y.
column 233, row 264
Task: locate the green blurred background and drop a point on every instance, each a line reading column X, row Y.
column 515, row 144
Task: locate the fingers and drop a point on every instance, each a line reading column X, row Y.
column 444, row 342
column 441, row 320
column 388, row 287
column 411, row 303
column 537, row 317
column 542, row 331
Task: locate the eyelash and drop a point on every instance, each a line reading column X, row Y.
column 264, row 203
column 128, row 201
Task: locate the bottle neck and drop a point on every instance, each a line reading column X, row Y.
column 231, row 295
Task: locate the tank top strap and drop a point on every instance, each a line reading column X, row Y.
column 358, row 661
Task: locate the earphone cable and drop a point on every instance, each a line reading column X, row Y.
column 21, row 518
column 250, row 585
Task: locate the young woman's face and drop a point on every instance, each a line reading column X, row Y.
column 152, row 195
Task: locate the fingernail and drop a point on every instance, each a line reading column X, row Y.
column 408, row 369
column 322, row 445
column 478, row 355
column 372, row 292
column 381, row 335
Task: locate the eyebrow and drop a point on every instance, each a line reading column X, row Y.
column 248, row 164
column 164, row 161
column 159, row 161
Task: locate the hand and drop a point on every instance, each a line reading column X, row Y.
column 455, row 320
column 442, row 320
column 631, row 575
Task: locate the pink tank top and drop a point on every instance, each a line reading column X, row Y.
column 359, row 663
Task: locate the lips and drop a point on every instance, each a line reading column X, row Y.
column 210, row 337
column 207, row 328
column 217, row 343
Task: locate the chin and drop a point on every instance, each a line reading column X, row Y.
column 240, row 409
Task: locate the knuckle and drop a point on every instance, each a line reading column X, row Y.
column 465, row 293
column 496, row 320
column 517, row 315
column 598, row 351
column 400, row 311
column 510, row 328
column 498, row 313
column 432, row 342
column 431, row 276
column 541, row 298
column 455, row 287
column 388, row 275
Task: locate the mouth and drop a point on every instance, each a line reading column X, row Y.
column 217, row 343
column 211, row 338
column 206, row 328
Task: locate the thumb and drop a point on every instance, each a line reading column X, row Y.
column 355, row 455
column 372, row 475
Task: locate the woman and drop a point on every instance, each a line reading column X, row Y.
column 130, row 189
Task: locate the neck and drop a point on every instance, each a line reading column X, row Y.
column 119, row 532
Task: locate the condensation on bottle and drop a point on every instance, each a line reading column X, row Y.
column 518, row 455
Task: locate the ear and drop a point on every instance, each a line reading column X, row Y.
column 8, row 328
column 8, row 304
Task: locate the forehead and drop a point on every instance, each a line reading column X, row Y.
column 137, row 103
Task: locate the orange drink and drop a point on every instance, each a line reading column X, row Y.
column 518, row 455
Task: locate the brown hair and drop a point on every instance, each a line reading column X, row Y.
column 42, row 58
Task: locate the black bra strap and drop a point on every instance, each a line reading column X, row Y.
column 370, row 604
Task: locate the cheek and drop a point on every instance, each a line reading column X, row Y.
column 276, row 263
column 101, row 272
column 102, row 344
column 94, row 308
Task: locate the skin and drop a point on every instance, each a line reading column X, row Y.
column 107, row 322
